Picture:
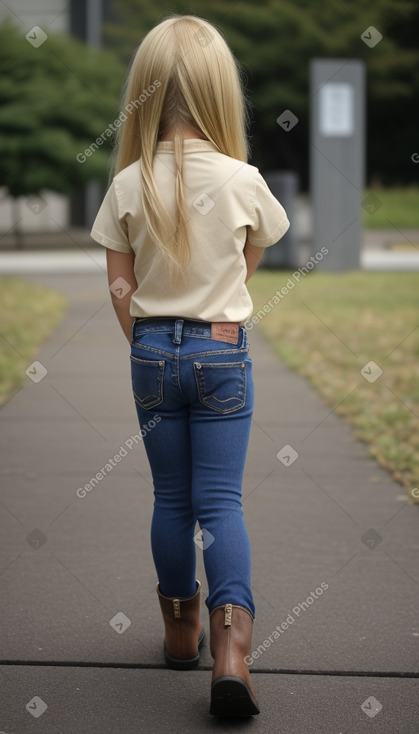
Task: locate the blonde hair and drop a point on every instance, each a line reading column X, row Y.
column 194, row 80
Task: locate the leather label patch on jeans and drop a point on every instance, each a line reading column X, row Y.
column 225, row 332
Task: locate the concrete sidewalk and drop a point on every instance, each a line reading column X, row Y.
column 335, row 557
column 377, row 254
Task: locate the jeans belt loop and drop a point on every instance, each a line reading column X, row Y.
column 177, row 337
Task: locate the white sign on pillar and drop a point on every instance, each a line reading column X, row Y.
column 336, row 110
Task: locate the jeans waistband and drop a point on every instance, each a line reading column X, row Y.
column 178, row 327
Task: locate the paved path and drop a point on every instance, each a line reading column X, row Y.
column 335, row 557
column 375, row 255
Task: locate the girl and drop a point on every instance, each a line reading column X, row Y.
column 185, row 221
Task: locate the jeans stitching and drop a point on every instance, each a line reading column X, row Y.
column 215, row 352
column 158, row 400
column 170, row 355
column 200, row 383
column 194, row 355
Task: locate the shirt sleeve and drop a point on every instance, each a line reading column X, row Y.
column 110, row 228
column 269, row 220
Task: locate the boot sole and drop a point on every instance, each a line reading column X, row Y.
column 184, row 663
column 230, row 696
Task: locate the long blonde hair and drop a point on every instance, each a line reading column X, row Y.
column 186, row 75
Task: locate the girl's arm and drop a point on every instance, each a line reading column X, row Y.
column 252, row 256
column 122, row 282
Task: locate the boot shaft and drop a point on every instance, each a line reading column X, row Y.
column 231, row 629
column 183, row 629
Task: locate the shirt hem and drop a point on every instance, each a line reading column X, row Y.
column 276, row 235
column 111, row 244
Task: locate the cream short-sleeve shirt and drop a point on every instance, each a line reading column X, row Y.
column 228, row 202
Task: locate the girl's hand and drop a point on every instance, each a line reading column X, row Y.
column 121, row 266
column 252, row 255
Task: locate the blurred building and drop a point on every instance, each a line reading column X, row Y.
column 82, row 19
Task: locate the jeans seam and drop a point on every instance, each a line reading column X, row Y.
column 177, row 363
column 154, row 350
column 214, row 352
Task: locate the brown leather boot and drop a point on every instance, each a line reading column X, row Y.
column 232, row 693
column 183, row 630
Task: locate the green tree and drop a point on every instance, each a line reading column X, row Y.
column 274, row 41
column 55, row 101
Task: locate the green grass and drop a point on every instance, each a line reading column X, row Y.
column 396, row 207
column 28, row 315
column 332, row 324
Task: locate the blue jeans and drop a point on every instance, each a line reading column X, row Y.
column 194, row 400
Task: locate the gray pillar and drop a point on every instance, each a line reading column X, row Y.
column 284, row 186
column 337, row 160
column 94, row 19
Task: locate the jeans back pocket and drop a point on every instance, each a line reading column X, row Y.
column 147, row 381
column 221, row 386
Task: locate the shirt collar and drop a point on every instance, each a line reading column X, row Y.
column 190, row 145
